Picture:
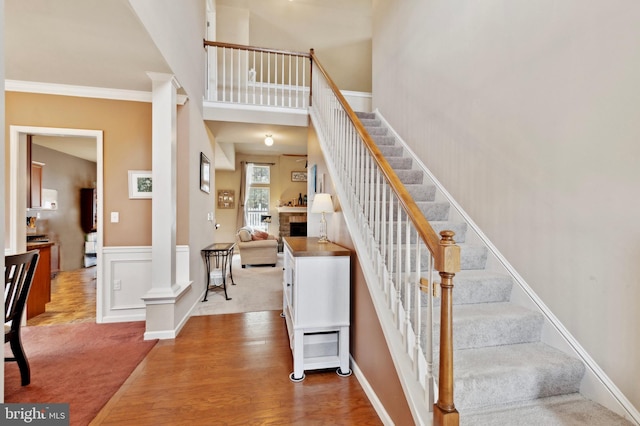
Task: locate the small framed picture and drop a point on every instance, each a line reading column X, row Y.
column 298, row 176
column 226, row 198
column 140, row 184
column 205, row 173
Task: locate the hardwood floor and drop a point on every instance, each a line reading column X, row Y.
column 223, row 369
column 73, row 298
column 233, row 370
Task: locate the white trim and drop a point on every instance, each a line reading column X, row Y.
column 368, row 390
column 160, row 335
column 352, row 94
column 250, row 107
column 124, row 318
column 82, row 91
column 555, row 322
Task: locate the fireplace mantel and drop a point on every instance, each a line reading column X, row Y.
column 286, row 209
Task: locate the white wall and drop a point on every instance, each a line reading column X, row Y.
column 527, row 112
column 178, row 29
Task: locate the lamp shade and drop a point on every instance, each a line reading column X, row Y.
column 322, row 204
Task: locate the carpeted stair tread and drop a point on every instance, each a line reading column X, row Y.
column 564, row 410
column 490, row 324
column 459, row 228
column 422, row 192
column 503, row 374
column 410, row 176
column 472, row 256
column 391, row 151
column 478, row 286
column 432, row 210
column 370, row 122
column 384, row 140
column 377, row 131
column 362, row 114
column 400, row 163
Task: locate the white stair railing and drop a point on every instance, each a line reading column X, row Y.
column 257, row 76
column 397, row 249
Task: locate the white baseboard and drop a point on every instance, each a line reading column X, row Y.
column 368, row 390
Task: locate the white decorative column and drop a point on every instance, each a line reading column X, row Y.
column 161, row 298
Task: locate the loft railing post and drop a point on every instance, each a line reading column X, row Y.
column 448, row 263
column 311, row 53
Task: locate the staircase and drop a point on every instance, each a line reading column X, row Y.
column 504, row 374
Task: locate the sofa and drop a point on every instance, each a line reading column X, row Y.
column 256, row 248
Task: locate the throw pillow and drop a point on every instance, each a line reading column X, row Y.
column 244, row 235
column 261, row 234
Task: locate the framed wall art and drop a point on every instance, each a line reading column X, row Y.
column 298, row 176
column 205, row 173
column 140, row 184
column 226, row 198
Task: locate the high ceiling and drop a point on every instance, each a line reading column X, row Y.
column 92, row 43
column 100, row 43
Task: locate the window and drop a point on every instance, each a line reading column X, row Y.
column 258, row 197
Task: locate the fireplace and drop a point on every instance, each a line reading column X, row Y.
column 298, row 229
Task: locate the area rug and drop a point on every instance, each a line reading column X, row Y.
column 258, row 288
column 82, row 364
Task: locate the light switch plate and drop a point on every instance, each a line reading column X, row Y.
column 115, row 217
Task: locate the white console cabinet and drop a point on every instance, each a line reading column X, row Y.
column 315, row 304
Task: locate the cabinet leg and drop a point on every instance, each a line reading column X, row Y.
column 340, row 373
column 343, row 352
column 293, row 378
column 298, row 356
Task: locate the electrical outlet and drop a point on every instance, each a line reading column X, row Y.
column 117, row 284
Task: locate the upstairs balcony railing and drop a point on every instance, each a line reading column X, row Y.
column 398, row 249
column 257, row 76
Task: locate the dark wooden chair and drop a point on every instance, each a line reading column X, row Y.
column 18, row 276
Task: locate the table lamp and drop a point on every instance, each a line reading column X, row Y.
column 322, row 204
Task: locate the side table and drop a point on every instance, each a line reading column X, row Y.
column 221, row 254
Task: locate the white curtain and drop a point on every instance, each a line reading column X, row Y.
column 245, row 183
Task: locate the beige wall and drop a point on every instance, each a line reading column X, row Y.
column 281, row 189
column 67, row 175
column 127, row 146
column 527, row 113
column 368, row 346
column 300, row 26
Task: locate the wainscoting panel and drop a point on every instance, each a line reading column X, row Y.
column 127, row 277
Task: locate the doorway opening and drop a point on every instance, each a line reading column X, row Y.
column 19, row 136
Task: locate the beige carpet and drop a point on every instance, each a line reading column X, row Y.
column 257, row 288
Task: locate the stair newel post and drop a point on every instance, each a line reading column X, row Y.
column 448, row 263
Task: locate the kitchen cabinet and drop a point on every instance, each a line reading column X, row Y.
column 40, row 293
column 315, row 305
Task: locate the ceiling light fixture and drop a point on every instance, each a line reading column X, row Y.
column 268, row 140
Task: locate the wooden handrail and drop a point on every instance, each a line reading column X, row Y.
column 445, row 252
column 423, row 227
column 255, row 49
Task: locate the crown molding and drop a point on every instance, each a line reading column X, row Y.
column 82, row 91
